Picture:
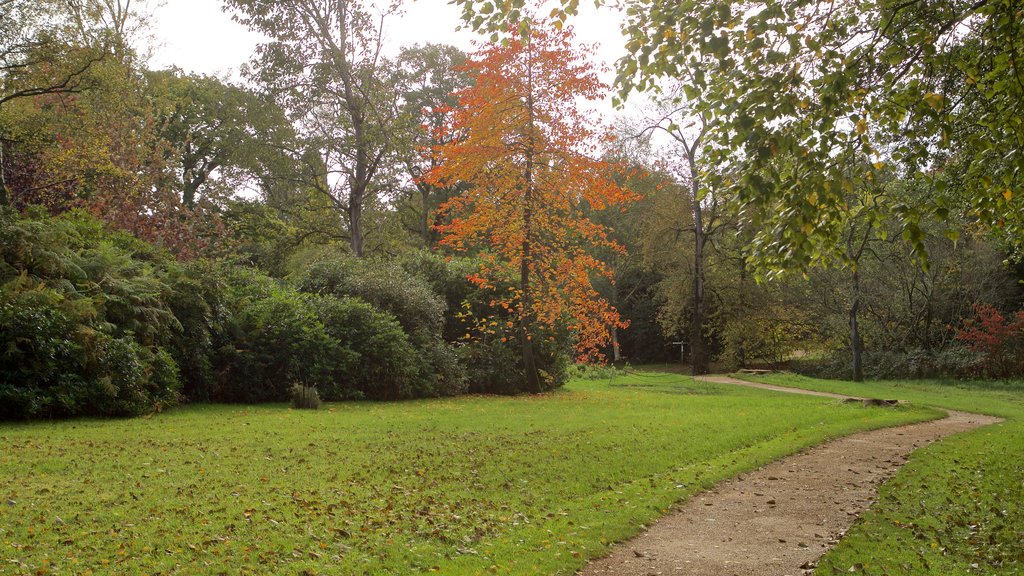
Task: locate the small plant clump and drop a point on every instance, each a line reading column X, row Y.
column 305, row 397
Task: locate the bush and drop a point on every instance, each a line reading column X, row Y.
column 131, row 380
column 274, row 342
column 383, row 284
column 997, row 341
column 82, row 322
column 305, row 397
column 768, row 335
column 496, row 367
column 199, row 301
column 592, row 372
column 384, row 363
column 431, row 367
column 447, row 278
column 953, row 361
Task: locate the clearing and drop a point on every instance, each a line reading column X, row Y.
column 473, row 485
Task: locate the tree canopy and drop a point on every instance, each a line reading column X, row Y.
column 814, row 96
column 526, row 152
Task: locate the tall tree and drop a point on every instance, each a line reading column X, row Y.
column 921, row 86
column 220, row 137
column 431, row 75
column 527, row 153
column 44, row 50
column 324, row 66
column 676, row 114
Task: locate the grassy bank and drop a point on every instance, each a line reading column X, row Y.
column 476, row 485
column 956, row 507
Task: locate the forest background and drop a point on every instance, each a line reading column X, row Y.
column 175, row 237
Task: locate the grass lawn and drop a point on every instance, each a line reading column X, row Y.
column 958, row 506
column 474, row 485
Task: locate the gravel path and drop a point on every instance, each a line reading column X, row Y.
column 780, row 519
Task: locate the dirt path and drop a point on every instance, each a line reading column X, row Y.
column 780, row 519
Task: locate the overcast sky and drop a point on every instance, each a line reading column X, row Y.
column 197, row 36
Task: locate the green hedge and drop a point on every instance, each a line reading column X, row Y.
column 98, row 323
column 82, row 322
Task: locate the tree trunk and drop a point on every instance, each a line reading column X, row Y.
column 526, row 319
column 355, row 225
column 526, row 327
column 856, row 344
column 741, row 346
column 5, row 199
column 698, row 350
column 425, row 216
column 529, row 357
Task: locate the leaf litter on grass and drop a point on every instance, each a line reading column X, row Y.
column 531, row 485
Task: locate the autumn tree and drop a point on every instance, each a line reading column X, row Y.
column 323, row 64
column 93, row 139
column 933, row 89
column 45, row 49
column 527, row 152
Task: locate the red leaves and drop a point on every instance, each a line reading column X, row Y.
column 999, row 340
column 526, row 153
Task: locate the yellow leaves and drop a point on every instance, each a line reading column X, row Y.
column 1008, row 195
column 861, row 126
column 812, row 199
column 934, row 99
column 879, row 165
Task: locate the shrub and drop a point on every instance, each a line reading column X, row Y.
column 447, row 278
column 199, row 301
column 131, row 380
column 494, row 365
column 998, row 341
column 383, row 363
column 274, row 342
column 82, row 322
column 441, row 372
column 592, row 372
column 951, row 361
column 768, row 334
column 305, row 397
column 431, row 367
column 384, row 285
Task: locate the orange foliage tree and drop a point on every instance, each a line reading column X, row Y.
column 527, row 154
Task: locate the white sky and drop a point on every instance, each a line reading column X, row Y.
column 197, row 36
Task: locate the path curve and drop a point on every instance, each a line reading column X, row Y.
column 780, row 519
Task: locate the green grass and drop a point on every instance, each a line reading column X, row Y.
column 474, row 485
column 958, row 506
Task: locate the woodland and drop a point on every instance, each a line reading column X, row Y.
column 833, row 189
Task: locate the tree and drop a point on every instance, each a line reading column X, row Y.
column 219, row 135
column 43, row 50
column 526, row 152
column 431, row 75
column 95, row 141
column 677, row 115
column 920, row 86
column 324, row 66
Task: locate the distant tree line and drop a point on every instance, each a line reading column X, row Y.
column 429, row 224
